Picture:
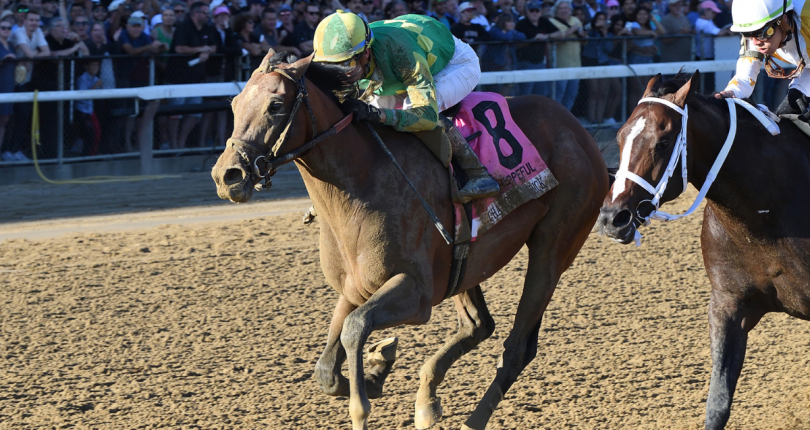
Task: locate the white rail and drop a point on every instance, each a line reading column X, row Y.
column 233, row 88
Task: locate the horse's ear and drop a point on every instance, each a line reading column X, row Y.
column 262, row 67
column 300, row 67
column 650, row 85
column 686, row 91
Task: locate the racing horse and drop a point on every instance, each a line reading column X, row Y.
column 755, row 237
column 379, row 249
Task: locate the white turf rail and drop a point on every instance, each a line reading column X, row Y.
column 233, row 88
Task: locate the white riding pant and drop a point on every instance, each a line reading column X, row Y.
column 458, row 79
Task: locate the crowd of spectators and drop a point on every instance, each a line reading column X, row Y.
column 135, row 43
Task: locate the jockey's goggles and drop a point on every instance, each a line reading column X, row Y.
column 764, row 33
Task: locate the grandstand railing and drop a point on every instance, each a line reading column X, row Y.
column 225, row 89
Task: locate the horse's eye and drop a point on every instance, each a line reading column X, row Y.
column 276, row 106
column 661, row 145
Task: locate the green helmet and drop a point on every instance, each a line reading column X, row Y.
column 341, row 36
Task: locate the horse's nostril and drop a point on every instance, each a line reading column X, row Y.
column 622, row 219
column 233, row 176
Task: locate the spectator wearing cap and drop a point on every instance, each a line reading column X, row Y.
column 706, row 31
column 100, row 14
column 501, row 57
column 286, row 25
column 220, row 69
column 676, row 49
column 367, row 10
column 532, row 56
column 465, row 30
column 134, row 72
column 305, row 30
column 20, row 13
column 192, row 38
column 441, row 14
column 613, row 8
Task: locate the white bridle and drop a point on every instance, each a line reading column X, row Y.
column 679, row 153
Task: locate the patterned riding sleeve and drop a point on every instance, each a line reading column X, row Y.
column 748, row 66
column 423, row 113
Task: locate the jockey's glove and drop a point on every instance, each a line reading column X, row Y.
column 362, row 111
column 803, row 107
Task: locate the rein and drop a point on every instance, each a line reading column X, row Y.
column 679, row 153
column 270, row 158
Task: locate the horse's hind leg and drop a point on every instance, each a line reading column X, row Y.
column 474, row 326
column 552, row 249
column 729, row 324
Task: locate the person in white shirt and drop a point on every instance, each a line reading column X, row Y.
column 29, row 42
column 772, row 30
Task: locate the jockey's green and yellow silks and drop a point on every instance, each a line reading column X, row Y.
column 340, row 36
column 407, row 52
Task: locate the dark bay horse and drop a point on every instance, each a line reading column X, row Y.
column 380, row 250
column 755, row 237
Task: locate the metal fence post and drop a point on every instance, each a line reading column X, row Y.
column 553, row 88
column 60, row 114
column 624, row 82
column 148, row 124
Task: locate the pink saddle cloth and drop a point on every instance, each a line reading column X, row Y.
column 507, row 154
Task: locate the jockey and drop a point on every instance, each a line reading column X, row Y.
column 772, row 29
column 404, row 72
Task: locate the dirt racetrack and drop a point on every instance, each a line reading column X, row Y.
column 213, row 317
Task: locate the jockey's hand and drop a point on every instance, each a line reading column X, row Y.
column 724, row 95
column 362, row 111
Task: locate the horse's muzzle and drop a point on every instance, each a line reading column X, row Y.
column 617, row 224
column 233, row 181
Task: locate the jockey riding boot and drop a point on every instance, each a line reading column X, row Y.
column 479, row 182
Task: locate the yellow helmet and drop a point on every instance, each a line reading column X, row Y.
column 341, row 36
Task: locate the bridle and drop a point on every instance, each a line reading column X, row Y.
column 679, row 154
column 270, row 158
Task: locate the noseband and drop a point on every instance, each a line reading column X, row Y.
column 270, row 158
column 679, row 153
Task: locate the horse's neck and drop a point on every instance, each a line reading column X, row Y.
column 335, row 171
column 738, row 188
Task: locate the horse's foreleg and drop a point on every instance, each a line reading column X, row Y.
column 399, row 301
column 729, row 324
column 327, row 370
column 474, row 326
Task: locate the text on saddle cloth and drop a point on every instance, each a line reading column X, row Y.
column 508, row 155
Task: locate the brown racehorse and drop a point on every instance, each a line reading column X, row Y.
column 380, row 250
column 755, row 238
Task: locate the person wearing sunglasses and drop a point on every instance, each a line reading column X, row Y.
column 305, row 30
column 771, row 29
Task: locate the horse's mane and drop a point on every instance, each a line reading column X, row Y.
column 326, row 76
column 672, row 85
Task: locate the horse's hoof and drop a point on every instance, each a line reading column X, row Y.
column 309, row 216
column 383, row 352
column 427, row 415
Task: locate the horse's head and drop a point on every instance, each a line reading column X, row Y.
column 265, row 114
column 650, row 150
